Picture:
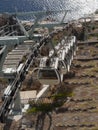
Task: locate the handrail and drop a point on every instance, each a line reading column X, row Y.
column 12, row 33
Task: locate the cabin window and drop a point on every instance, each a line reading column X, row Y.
column 1, row 56
column 66, row 59
column 47, row 74
column 61, row 64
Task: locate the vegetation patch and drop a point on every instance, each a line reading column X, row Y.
column 44, row 107
column 57, row 101
column 61, row 96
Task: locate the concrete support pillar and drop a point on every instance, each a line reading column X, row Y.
column 3, row 57
column 17, row 104
column 16, row 109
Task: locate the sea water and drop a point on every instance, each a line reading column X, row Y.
column 77, row 7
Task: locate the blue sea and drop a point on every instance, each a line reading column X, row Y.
column 78, row 7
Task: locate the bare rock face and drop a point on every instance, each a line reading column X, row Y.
column 1, row 126
column 79, row 32
column 30, row 84
column 7, row 19
column 45, row 51
column 3, row 19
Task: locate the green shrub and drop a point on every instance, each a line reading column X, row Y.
column 44, row 107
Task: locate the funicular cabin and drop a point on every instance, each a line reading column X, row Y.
column 48, row 72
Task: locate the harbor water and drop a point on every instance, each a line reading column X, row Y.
column 77, row 7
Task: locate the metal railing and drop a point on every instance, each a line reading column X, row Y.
column 8, row 30
column 15, row 86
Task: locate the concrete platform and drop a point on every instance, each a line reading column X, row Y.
column 25, row 96
column 17, row 117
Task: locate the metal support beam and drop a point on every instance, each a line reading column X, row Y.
column 17, row 104
column 4, row 53
column 22, row 28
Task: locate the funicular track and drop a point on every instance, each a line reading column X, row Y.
column 16, row 84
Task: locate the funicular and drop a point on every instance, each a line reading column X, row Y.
column 75, row 44
column 64, row 61
column 65, row 52
column 68, row 53
column 51, row 69
column 48, row 71
column 73, row 41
